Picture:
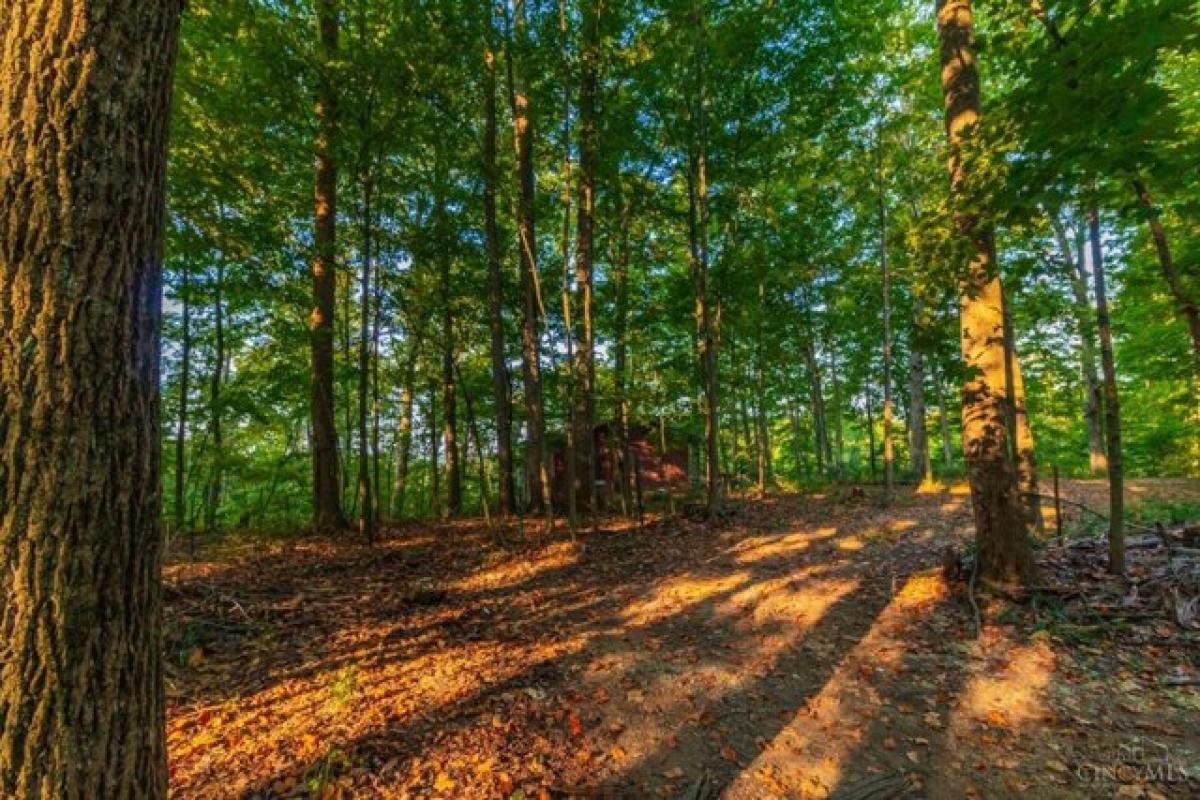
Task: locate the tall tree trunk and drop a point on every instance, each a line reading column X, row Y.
column 889, row 456
column 212, row 500
column 181, row 424
column 1003, row 551
column 585, row 364
column 765, row 467
column 698, row 228
column 500, row 386
column 1112, row 410
column 84, row 112
column 621, row 356
column 366, row 521
column 408, row 392
column 537, row 476
column 1184, row 300
column 327, row 507
column 1076, row 274
column 449, row 386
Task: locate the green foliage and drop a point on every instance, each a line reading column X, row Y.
column 817, row 113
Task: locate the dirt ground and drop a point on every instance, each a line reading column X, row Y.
column 807, row 647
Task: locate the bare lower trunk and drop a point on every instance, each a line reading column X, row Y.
column 1021, row 430
column 1003, row 552
column 621, row 357
column 84, row 109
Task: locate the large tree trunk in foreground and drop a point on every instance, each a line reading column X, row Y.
column 327, row 505
column 1003, row 552
column 491, row 228
column 1112, row 410
column 84, row 103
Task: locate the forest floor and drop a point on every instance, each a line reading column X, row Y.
column 808, row 646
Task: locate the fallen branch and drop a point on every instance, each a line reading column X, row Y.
column 1090, row 510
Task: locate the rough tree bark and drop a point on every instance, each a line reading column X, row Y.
column 327, row 506
column 1112, row 410
column 1003, row 551
column 84, row 109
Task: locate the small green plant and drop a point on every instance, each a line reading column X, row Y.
column 343, row 687
column 326, row 770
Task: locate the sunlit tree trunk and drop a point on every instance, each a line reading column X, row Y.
column 1003, row 552
column 1112, row 410
column 838, row 456
column 1076, row 274
column 491, row 180
column 84, row 113
column 327, row 507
